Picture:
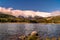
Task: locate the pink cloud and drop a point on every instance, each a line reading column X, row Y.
column 55, row 13
column 25, row 13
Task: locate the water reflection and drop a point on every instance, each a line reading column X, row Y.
column 25, row 29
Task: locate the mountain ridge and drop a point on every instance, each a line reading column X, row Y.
column 21, row 19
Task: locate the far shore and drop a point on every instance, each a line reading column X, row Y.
column 28, row 23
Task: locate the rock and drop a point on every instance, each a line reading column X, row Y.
column 34, row 33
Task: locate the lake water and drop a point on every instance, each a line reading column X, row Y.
column 25, row 29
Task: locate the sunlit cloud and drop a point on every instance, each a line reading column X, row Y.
column 55, row 13
column 27, row 13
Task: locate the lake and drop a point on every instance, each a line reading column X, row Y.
column 27, row 28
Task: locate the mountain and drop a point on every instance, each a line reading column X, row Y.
column 6, row 18
column 2, row 15
column 54, row 19
column 21, row 19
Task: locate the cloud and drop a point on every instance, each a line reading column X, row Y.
column 55, row 13
column 25, row 13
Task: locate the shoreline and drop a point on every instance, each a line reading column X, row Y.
column 29, row 23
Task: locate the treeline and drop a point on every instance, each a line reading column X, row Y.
column 25, row 20
column 21, row 19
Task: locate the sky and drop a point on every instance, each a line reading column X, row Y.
column 36, row 5
column 32, row 8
